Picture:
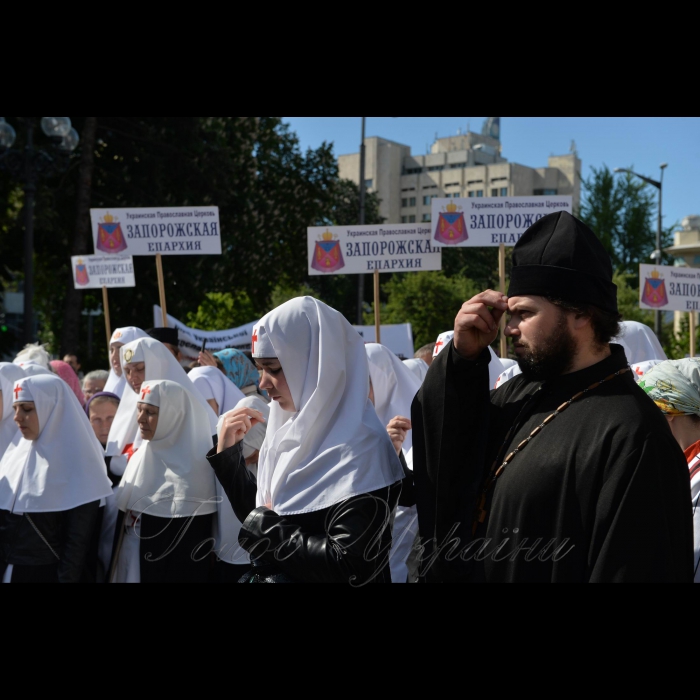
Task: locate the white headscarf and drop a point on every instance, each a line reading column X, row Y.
column 64, row 467
column 212, row 383
column 640, row 343
column 496, row 367
column 395, row 387
column 32, row 369
column 160, row 364
column 228, row 526
column 169, row 476
column 115, row 384
column 33, row 354
column 418, row 367
column 10, row 374
column 334, row 447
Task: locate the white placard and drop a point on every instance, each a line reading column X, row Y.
column 398, row 338
column 156, row 231
column 667, row 288
column 485, row 222
column 97, row 271
column 358, row 250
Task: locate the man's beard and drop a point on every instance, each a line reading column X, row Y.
column 554, row 358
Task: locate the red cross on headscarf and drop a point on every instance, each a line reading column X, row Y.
column 145, row 392
column 18, row 389
column 255, row 339
column 438, row 346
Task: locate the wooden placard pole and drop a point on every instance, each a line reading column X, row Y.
column 692, row 333
column 161, row 289
column 502, row 275
column 377, row 310
column 108, row 325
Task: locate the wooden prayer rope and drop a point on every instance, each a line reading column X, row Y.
column 496, row 471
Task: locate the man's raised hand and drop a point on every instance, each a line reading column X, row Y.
column 476, row 325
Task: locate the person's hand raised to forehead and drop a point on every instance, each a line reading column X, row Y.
column 476, row 325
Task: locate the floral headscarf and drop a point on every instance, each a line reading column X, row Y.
column 674, row 386
column 239, row 369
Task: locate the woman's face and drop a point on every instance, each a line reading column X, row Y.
column 148, row 420
column 114, row 358
column 272, row 380
column 135, row 375
column 27, row 420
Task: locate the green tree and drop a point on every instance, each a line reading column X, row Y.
column 429, row 301
column 222, row 310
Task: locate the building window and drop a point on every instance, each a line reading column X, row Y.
column 426, row 218
column 404, row 219
column 545, row 193
column 454, row 166
column 480, row 193
column 494, row 193
column 498, row 179
column 412, row 171
column 412, row 202
column 474, row 182
column 408, row 189
column 472, row 193
column 369, row 184
column 427, row 200
column 429, row 187
column 435, row 168
column 504, row 191
column 412, row 219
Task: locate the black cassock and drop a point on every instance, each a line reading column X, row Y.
column 599, row 495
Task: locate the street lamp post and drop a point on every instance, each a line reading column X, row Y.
column 656, row 255
column 28, row 165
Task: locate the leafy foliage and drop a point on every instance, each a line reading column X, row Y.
column 221, row 310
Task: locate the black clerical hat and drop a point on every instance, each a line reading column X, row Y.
column 560, row 257
column 165, row 335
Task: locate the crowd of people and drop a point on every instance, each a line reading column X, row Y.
column 318, row 458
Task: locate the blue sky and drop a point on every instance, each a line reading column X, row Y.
column 638, row 143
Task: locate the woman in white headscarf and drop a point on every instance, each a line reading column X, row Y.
column 167, row 496
column 116, row 382
column 232, row 560
column 394, row 387
column 52, row 479
column 329, row 478
column 216, row 388
column 9, row 376
column 142, row 360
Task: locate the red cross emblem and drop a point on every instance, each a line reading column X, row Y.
column 145, row 392
column 438, row 346
column 255, row 339
column 18, row 389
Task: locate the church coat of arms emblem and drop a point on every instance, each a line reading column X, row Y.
column 81, row 274
column 328, row 256
column 655, row 291
column 110, row 237
column 451, row 226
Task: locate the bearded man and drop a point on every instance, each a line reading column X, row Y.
column 568, row 472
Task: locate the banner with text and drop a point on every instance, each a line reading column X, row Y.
column 358, row 250
column 668, row 288
column 486, row 222
column 164, row 231
column 398, row 338
column 95, row 272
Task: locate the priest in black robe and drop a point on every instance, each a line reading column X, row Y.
column 567, row 473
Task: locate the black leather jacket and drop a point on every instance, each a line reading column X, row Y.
column 348, row 543
column 67, row 533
